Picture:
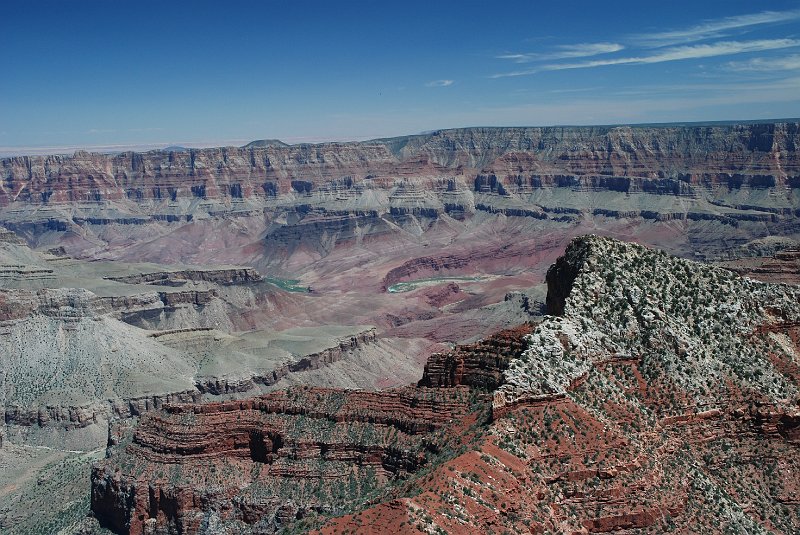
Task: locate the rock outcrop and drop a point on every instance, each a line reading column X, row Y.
column 313, row 361
column 180, row 277
column 477, row 365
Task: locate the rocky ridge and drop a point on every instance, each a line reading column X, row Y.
column 314, row 361
column 687, row 319
column 180, row 277
column 662, row 397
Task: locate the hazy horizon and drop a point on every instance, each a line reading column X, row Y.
column 8, row 152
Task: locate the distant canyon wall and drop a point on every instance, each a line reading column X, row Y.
column 669, row 160
column 712, row 187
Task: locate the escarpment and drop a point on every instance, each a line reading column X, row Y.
column 782, row 266
column 68, row 418
column 70, row 366
column 315, row 196
column 664, row 160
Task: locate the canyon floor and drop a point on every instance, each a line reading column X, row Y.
column 88, row 341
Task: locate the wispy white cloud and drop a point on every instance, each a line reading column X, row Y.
column 711, row 29
column 574, row 90
column 786, row 63
column 439, row 83
column 149, row 129
column 675, row 105
column 787, row 85
column 579, row 50
column 722, row 48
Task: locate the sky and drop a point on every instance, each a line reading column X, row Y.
column 119, row 74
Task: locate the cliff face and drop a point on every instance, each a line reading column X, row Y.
column 661, row 159
column 315, row 196
column 560, row 278
column 664, row 396
column 478, row 365
column 267, row 461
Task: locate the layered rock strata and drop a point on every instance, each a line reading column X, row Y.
column 265, row 462
column 663, row 160
column 309, row 197
column 783, row 266
column 180, row 277
column 477, row 365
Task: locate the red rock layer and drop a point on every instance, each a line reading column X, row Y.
column 552, row 466
column 477, row 365
column 282, row 447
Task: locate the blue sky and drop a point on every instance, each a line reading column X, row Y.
column 139, row 74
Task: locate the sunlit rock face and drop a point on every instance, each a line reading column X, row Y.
column 735, row 181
